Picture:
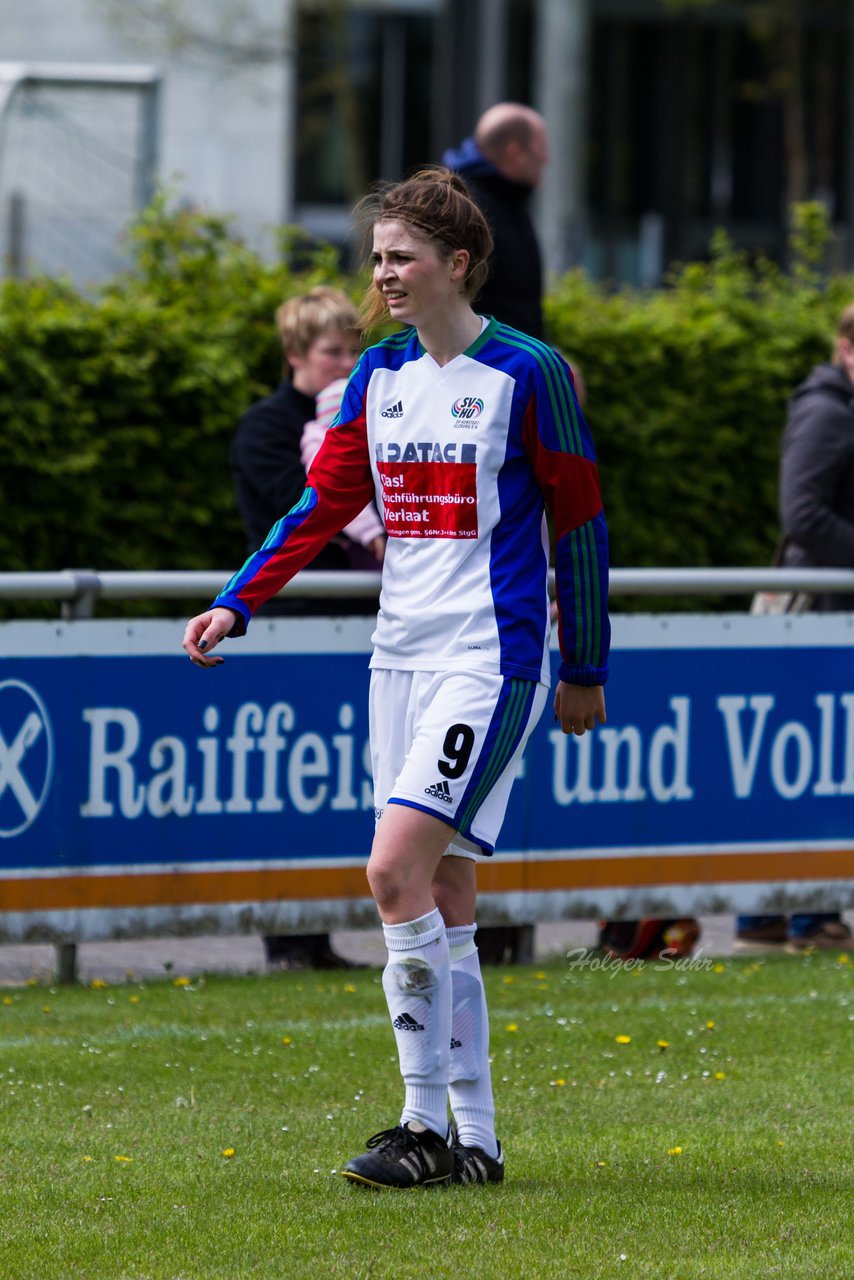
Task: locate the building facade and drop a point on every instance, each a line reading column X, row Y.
column 668, row 118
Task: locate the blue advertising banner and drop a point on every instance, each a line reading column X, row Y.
column 137, row 791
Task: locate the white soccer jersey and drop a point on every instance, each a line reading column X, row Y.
column 462, row 459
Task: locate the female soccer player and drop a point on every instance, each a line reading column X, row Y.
column 464, row 430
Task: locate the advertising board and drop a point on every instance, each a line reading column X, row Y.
column 140, row 795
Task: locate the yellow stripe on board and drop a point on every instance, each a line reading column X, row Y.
column 186, row 888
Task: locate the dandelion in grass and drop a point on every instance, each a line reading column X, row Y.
column 46, row 1009
column 511, row 1026
column 599, row 1164
column 623, row 1039
column 349, row 988
column 710, row 1026
column 181, row 982
column 508, row 979
column 539, row 976
column 133, row 999
column 674, row 1151
column 843, row 958
column 123, row 1159
column 98, row 984
column 7, row 999
column 228, row 1152
column 663, row 1044
column 287, row 1040
column 720, row 1075
column 87, row 1159
column 557, row 1084
column 719, row 968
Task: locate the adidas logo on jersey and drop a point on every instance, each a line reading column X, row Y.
column 406, row 1023
column 440, row 791
column 456, row 1044
column 393, row 411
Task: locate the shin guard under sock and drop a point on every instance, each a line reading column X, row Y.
column 417, row 985
column 470, row 1079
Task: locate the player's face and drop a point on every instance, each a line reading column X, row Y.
column 330, row 356
column 415, row 280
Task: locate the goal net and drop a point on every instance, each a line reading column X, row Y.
column 77, row 160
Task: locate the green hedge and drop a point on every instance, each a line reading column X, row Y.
column 686, row 394
column 118, row 408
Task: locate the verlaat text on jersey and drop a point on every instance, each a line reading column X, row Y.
column 405, row 516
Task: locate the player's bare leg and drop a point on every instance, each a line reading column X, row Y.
column 406, row 852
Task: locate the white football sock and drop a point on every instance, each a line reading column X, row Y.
column 470, row 1077
column 417, row 985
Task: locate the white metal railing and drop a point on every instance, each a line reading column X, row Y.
column 79, row 589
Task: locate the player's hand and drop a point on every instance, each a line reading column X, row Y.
column 578, row 707
column 204, row 632
column 377, row 546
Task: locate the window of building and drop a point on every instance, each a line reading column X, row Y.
column 363, row 100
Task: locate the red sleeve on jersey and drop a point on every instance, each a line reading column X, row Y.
column 570, row 486
column 569, row 482
column 339, row 485
column 340, row 474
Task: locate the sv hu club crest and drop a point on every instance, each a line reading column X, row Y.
column 467, row 407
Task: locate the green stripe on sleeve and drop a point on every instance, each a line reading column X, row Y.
column 562, row 403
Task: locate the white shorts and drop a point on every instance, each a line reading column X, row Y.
column 450, row 743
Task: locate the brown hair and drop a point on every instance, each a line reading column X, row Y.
column 436, row 204
column 307, row 316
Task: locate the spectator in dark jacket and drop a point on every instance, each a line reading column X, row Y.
column 817, row 523
column 817, row 467
column 501, row 164
column 321, row 339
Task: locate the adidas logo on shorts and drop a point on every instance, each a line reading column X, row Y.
column 393, row 411
column 440, row 791
column 406, row 1023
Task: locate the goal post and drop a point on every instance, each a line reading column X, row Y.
column 78, row 157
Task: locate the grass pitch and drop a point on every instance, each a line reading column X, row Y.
column 657, row 1122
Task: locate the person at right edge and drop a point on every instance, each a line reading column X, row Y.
column 817, row 529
